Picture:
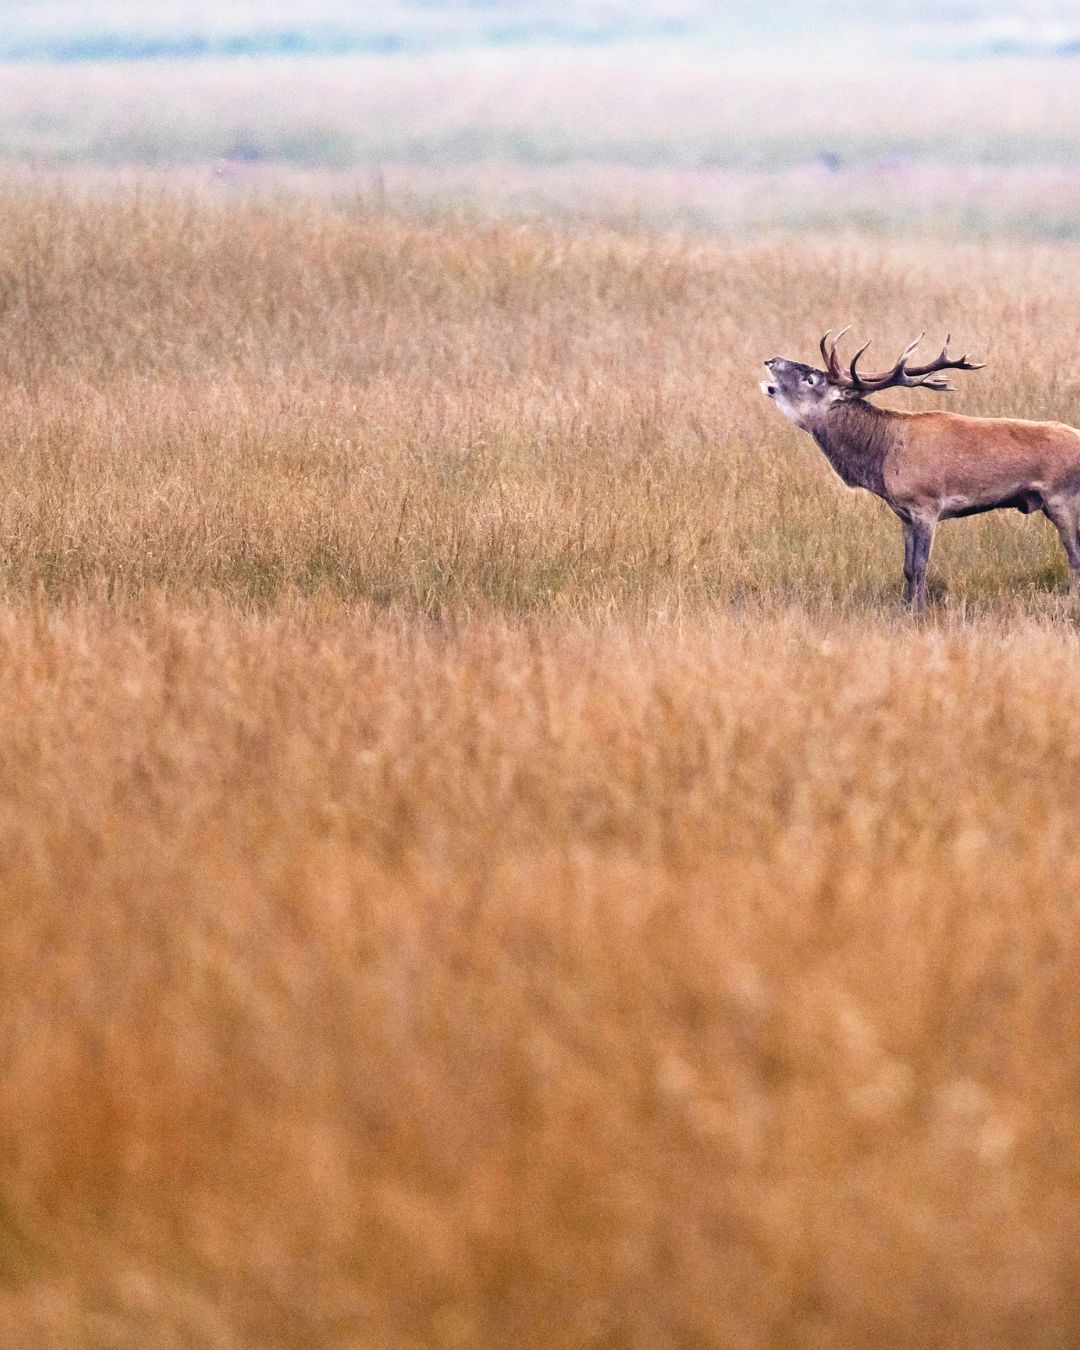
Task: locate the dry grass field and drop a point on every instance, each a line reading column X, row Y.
column 487, row 860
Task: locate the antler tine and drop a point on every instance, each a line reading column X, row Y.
column 887, row 378
column 846, row 329
column 912, row 345
column 852, row 372
column 943, row 362
column 908, row 350
column 966, row 363
column 832, row 362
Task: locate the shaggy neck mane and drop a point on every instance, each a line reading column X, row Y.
column 856, row 437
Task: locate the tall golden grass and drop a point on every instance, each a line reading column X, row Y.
column 487, row 858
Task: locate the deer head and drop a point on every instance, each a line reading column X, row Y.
column 804, row 392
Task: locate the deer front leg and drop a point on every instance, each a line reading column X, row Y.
column 918, row 541
column 909, row 553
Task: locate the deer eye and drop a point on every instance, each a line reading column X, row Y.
column 808, row 379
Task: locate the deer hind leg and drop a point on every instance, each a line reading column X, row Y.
column 1065, row 515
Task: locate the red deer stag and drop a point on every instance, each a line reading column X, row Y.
column 931, row 466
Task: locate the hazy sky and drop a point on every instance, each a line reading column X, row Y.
column 43, row 28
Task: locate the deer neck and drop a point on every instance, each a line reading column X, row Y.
column 855, row 438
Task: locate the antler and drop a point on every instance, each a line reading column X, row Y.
column 832, row 363
column 901, row 376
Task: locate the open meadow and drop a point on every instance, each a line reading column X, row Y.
column 487, row 858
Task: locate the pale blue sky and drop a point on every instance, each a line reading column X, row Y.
column 100, row 28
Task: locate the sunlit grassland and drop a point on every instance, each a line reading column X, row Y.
column 486, row 857
column 251, row 400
